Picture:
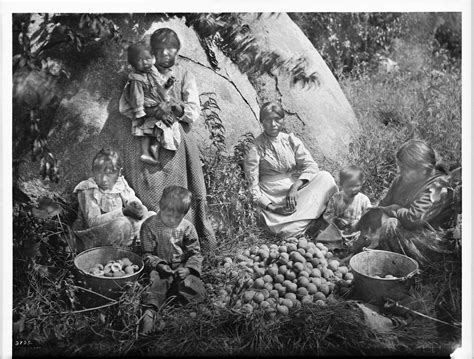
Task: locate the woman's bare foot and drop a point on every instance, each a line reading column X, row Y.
column 149, row 160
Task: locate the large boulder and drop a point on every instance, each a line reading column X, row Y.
column 320, row 115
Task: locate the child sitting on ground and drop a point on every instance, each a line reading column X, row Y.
column 172, row 253
column 347, row 206
column 109, row 211
column 140, row 101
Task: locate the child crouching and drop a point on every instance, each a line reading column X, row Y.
column 172, row 253
column 346, row 207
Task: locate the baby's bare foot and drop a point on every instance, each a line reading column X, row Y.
column 149, row 160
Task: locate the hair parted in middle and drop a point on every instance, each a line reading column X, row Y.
column 177, row 198
column 350, row 172
column 271, row 107
column 165, row 36
column 107, row 159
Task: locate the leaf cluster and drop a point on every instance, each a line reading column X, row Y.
column 233, row 36
column 350, row 42
column 228, row 196
column 45, row 61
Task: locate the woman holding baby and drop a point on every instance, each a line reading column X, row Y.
column 181, row 166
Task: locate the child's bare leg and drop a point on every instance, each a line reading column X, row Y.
column 145, row 144
column 146, row 155
column 155, row 150
column 156, row 143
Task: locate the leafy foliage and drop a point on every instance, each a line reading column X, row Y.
column 45, row 49
column 229, row 199
column 354, row 43
column 349, row 42
column 448, row 36
column 230, row 33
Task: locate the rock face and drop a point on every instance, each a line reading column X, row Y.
column 321, row 116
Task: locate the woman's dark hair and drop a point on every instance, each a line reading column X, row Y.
column 419, row 154
column 416, row 154
column 177, row 198
column 271, row 107
column 350, row 172
column 107, row 158
column 134, row 51
column 164, row 36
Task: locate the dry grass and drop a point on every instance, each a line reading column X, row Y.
column 207, row 329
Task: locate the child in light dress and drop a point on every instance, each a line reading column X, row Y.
column 347, row 206
column 140, row 101
column 109, row 211
column 172, row 254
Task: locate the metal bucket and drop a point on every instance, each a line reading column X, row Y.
column 108, row 286
column 367, row 264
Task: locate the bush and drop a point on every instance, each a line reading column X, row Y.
column 349, row 42
column 228, row 197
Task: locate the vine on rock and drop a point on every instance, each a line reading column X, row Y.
column 234, row 38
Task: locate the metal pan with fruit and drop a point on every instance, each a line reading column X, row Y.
column 114, row 268
column 107, row 269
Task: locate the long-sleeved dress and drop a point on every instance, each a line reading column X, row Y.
column 425, row 207
column 100, row 219
column 175, row 247
column 142, row 92
column 272, row 165
column 181, row 167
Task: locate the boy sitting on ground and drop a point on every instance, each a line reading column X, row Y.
column 172, row 253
